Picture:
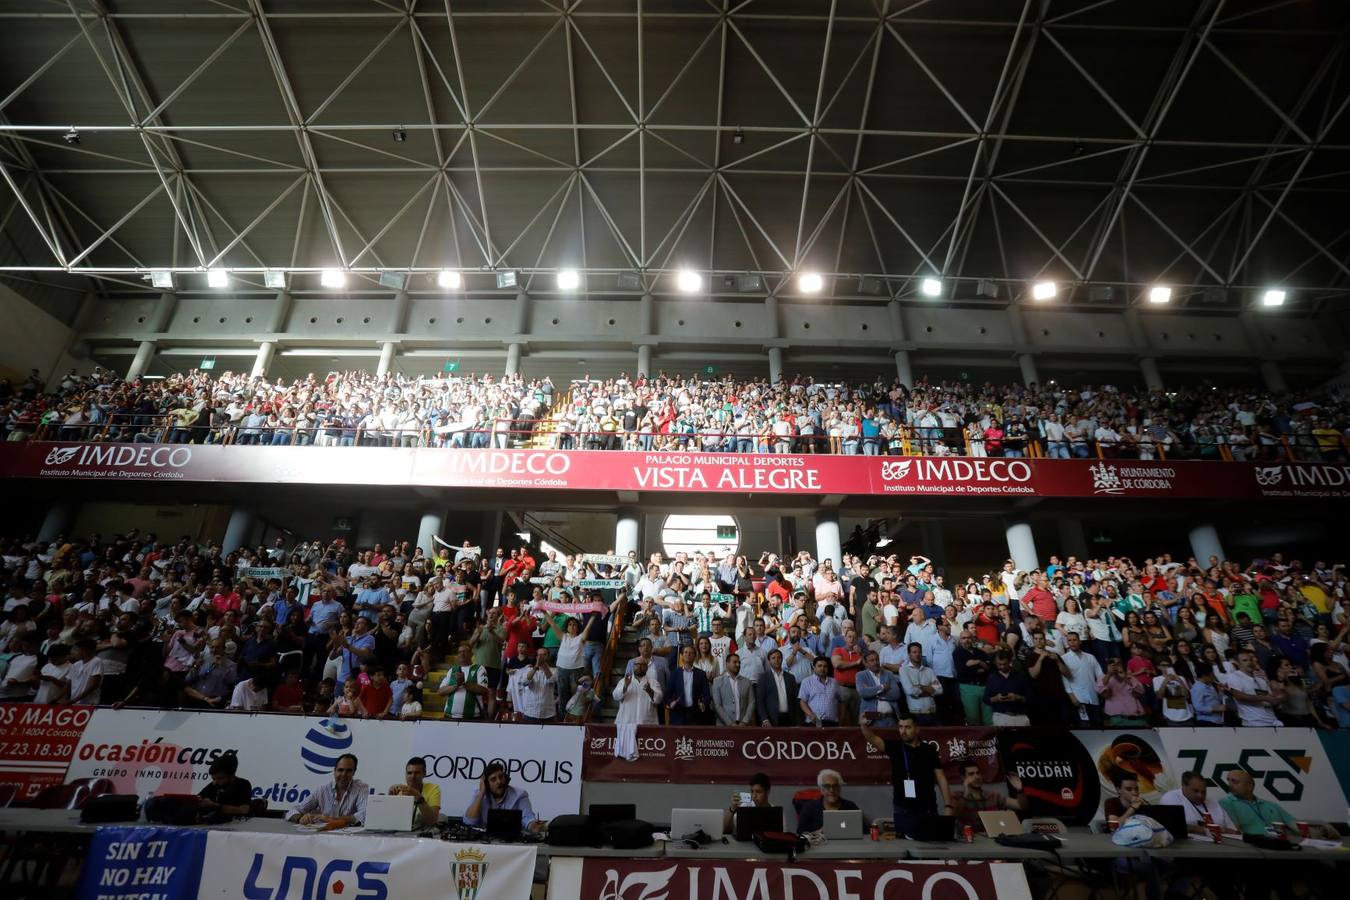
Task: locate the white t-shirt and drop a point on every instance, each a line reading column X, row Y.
column 245, row 697
column 1252, row 714
column 48, row 692
column 81, row 673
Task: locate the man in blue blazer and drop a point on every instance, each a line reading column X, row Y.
column 688, row 697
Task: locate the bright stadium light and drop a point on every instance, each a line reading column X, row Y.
column 274, row 279
column 931, row 287
column 1273, row 297
column 568, row 279
column 688, row 281
column 161, row 279
column 449, row 279
column 218, row 278
column 333, row 278
column 1160, row 294
column 1044, row 290
column 810, row 283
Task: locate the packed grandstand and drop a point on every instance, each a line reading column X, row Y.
column 400, row 632
column 796, row 415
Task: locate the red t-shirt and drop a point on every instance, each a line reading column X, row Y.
column 376, row 697
column 848, row 677
column 519, row 630
column 1042, row 603
column 288, row 695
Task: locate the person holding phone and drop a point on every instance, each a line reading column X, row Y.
column 758, row 795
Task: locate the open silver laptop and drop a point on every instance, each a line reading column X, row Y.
column 688, row 821
column 843, row 824
column 1000, row 822
column 389, row 812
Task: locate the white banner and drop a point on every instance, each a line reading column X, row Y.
column 605, row 559
column 543, row 760
column 1138, row 753
column 286, row 757
column 278, row 867
column 1289, row 765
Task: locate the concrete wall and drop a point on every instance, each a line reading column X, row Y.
column 42, row 341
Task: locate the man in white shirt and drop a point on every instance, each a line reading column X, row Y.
column 249, row 695
column 537, row 690
column 86, row 674
column 1200, row 811
column 55, row 676
column 1251, row 689
column 921, row 686
column 1081, row 682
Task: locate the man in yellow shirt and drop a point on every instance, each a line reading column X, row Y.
column 1315, row 595
column 426, row 796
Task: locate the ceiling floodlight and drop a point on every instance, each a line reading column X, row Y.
column 395, row 280
column 568, row 279
column 274, row 279
column 218, row 278
column 688, row 281
column 931, row 287
column 507, row 278
column 810, row 283
column 449, row 279
column 1160, row 294
column 629, row 281
column 1044, row 290
column 161, row 279
column 1273, row 297
column 333, row 278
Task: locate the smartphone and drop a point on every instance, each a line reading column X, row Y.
column 746, row 799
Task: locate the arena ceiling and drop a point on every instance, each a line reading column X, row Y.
column 1110, row 144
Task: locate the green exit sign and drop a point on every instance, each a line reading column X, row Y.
column 450, row 367
column 726, row 532
column 709, row 370
column 208, row 363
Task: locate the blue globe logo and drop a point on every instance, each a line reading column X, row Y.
column 323, row 744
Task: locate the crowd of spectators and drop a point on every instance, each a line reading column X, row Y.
column 392, row 632
column 797, row 415
column 337, row 409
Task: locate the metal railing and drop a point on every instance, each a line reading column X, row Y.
column 551, row 433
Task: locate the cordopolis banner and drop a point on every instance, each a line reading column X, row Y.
column 287, row 757
column 697, row 879
column 679, row 472
column 188, row 864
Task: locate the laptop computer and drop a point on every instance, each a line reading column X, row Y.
column 750, row 819
column 389, row 812
column 935, row 829
column 999, row 822
column 604, row 813
column 843, row 824
column 688, row 821
column 505, row 824
column 1169, row 816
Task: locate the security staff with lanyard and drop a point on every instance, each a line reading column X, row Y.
column 916, row 775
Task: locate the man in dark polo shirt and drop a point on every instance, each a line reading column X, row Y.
column 227, row 793
column 916, row 775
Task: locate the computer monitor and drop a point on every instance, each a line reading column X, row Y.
column 752, row 819
column 1169, row 816
column 504, row 824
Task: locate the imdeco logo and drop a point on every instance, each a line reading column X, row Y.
column 1268, row 475
column 59, row 456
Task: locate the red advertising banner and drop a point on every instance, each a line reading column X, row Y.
column 678, row 879
column 675, row 472
column 37, row 742
column 694, row 755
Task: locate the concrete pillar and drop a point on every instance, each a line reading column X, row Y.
column 646, row 314
column 522, row 319
column 1152, row 377
column 1017, row 326
column 1022, row 545
column 401, row 306
column 771, row 314
column 163, row 314
column 787, row 536
column 1028, row 365
column 897, row 316
column 827, row 538
column 1072, row 540
column 1273, row 377
column 56, row 522
column 386, row 359
column 934, row 543
column 775, row 365
column 266, row 349
column 145, row 354
column 903, row 371
column 433, row 521
column 628, row 531
column 644, row 368
column 513, row 359
column 1205, row 543
column 281, row 313
column 490, row 538
column 239, row 531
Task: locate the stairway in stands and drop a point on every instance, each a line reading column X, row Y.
column 542, row 436
column 626, row 650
